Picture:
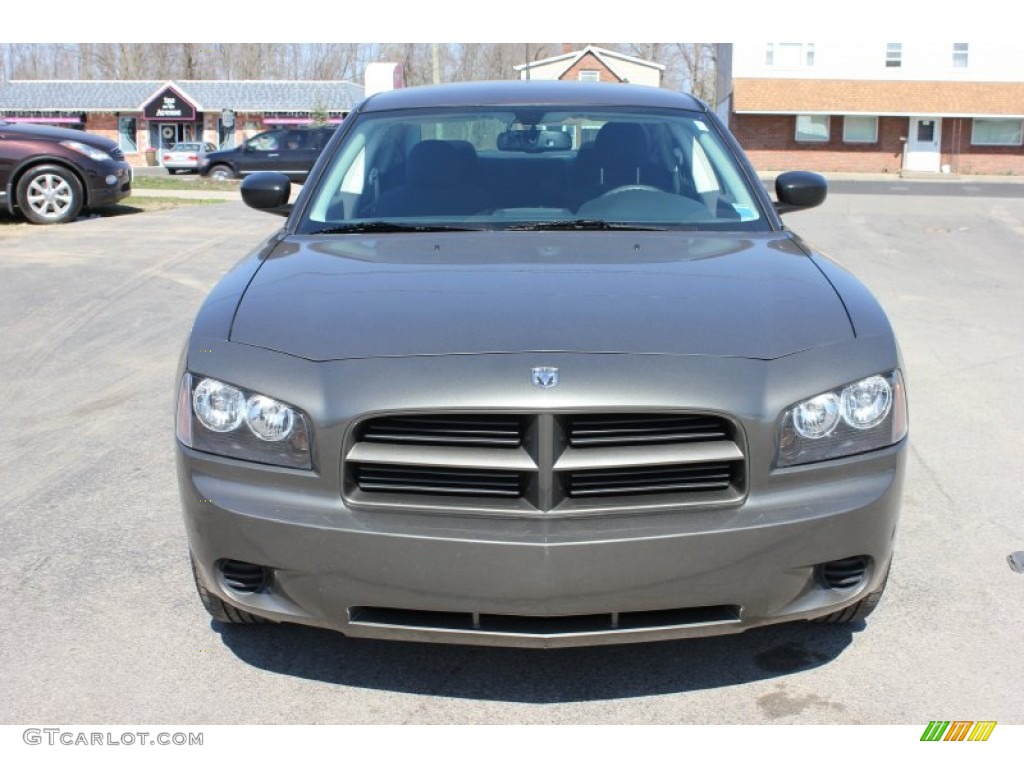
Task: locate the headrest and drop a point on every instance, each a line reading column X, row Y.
column 433, row 163
column 467, row 155
column 621, row 144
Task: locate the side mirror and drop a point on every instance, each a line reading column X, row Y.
column 267, row 191
column 797, row 190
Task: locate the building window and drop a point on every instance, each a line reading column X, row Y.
column 812, row 127
column 860, row 130
column 960, row 55
column 789, row 55
column 590, row 76
column 894, row 54
column 997, row 133
column 127, row 130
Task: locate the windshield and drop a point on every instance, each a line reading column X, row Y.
column 532, row 168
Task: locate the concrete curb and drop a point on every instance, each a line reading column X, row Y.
column 905, row 176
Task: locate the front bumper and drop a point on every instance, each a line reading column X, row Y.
column 541, row 579
column 108, row 183
column 709, row 572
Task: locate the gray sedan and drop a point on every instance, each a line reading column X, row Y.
column 188, row 156
column 538, row 364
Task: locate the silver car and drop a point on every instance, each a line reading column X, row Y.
column 189, row 156
column 538, row 364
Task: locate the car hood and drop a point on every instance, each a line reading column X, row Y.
column 395, row 295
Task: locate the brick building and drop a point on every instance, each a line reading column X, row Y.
column 883, row 107
column 593, row 64
column 140, row 114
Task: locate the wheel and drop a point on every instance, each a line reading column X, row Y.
column 217, row 608
column 49, row 194
column 859, row 610
column 221, row 173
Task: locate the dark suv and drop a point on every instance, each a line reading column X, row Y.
column 51, row 174
column 291, row 151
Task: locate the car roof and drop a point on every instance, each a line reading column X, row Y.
column 527, row 92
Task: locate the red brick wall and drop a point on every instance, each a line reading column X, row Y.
column 769, row 142
column 961, row 157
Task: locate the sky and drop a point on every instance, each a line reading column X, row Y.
column 489, row 21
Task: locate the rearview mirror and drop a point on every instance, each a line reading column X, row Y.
column 534, row 140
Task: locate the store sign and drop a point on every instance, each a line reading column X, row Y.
column 169, row 105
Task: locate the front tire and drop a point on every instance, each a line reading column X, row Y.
column 217, row 608
column 221, row 173
column 49, row 194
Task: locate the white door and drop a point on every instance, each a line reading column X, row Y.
column 923, row 142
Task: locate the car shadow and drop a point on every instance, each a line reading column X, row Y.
column 120, row 209
column 538, row 676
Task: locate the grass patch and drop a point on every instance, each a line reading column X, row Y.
column 136, row 205
column 140, row 204
column 191, row 183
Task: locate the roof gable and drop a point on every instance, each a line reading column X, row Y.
column 606, row 57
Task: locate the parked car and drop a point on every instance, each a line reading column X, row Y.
column 491, row 384
column 186, row 156
column 291, row 151
column 49, row 175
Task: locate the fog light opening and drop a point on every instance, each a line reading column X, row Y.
column 244, row 577
column 843, row 574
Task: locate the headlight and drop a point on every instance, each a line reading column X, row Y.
column 862, row 416
column 91, row 152
column 220, row 418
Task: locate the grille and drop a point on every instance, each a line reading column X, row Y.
column 587, row 431
column 398, row 478
column 714, row 476
column 548, row 462
column 544, row 625
column 482, row 431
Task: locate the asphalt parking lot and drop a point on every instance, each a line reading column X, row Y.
column 101, row 623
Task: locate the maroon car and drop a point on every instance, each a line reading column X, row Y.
column 50, row 175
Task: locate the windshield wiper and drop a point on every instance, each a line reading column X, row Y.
column 388, row 226
column 584, row 225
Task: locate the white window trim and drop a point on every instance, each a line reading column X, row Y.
column 589, row 79
column 965, row 54
column 975, row 143
column 828, row 130
column 873, row 140
column 772, row 53
column 894, row 57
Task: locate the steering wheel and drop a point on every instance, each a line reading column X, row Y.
column 631, row 188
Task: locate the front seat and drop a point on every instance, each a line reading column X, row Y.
column 620, row 156
column 437, row 185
